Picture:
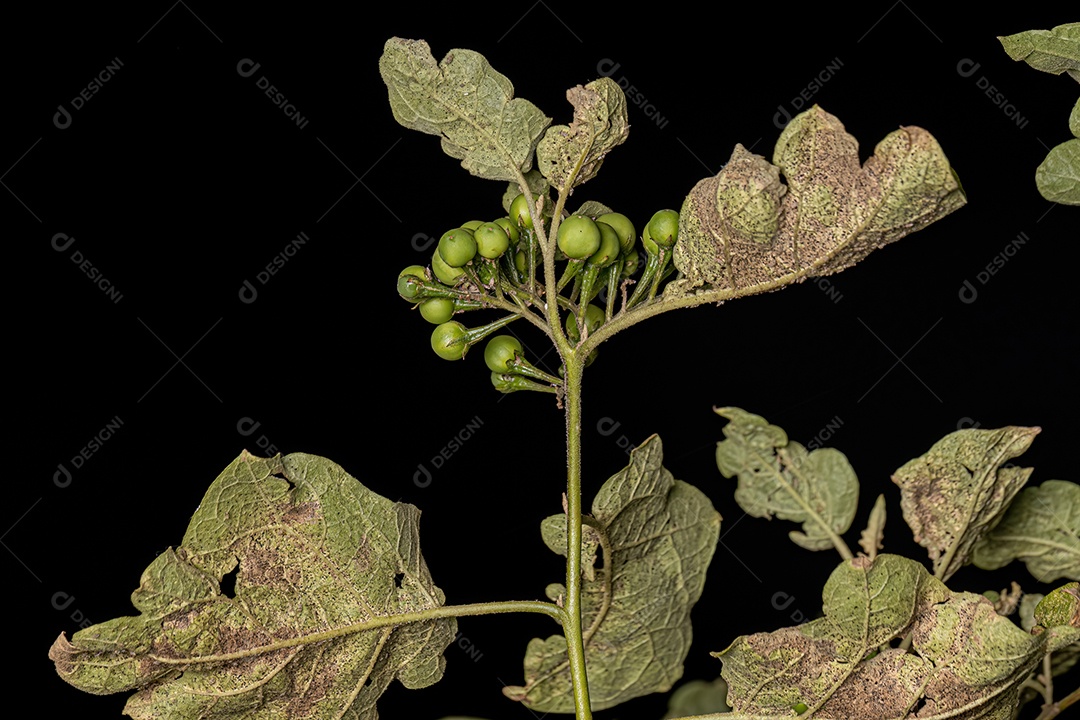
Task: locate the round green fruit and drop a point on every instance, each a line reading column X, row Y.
column 519, row 212
column 491, row 240
column 610, row 246
column 446, row 340
column 437, row 310
column 407, row 288
column 664, row 227
column 457, row 247
column 579, row 237
column 623, row 227
column 500, row 351
column 446, row 274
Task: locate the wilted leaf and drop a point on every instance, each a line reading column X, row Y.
column 958, row 490
column 968, row 662
column 744, row 227
column 1042, row 528
column 870, row 540
column 661, row 533
column 779, row 477
column 698, row 697
column 315, row 554
column 571, row 155
column 467, row 103
column 1058, row 176
column 1053, row 51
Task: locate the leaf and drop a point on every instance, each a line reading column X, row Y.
column 1042, row 528
column 1058, row 176
column 465, row 102
column 968, row 662
column 1060, row 607
column 571, row 155
column 698, row 697
column 315, row 552
column 778, row 477
column 593, row 209
column 871, row 537
column 658, row 535
column 958, row 490
column 1027, row 610
column 1074, row 119
column 744, row 227
column 1053, row 51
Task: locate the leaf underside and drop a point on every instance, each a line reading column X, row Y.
column 744, row 227
column 314, row 551
column 967, row 661
column 569, row 155
column 1041, row 528
column 1053, row 51
column 658, row 535
column 780, row 478
column 956, row 492
column 467, row 103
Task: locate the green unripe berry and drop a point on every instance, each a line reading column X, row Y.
column 519, row 212
column 472, row 224
column 446, row 274
column 491, row 240
column 623, row 227
column 407, row 288
column 510, row 228
column 446, row 340
column 610, row 246
column 579, row 237
column 664, row 227
column 457, row 247
column 500, row 351
column 594, row 318
column 437, row 310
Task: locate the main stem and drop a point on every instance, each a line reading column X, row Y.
column 572, row 624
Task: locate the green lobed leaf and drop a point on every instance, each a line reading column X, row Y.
column 1041, row 528
column 780, row 478
column 569, row 155
column 1058, row 176
column 958, row 490
column 1053, row 51
column 968, row 661
column 745, row 227
column 314, row 552
column 658, row 535
column 465, row 102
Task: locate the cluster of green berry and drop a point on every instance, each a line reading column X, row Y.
column 494, row 265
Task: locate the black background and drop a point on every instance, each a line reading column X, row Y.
column 180, row 179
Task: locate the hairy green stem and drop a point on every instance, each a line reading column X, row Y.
column 444, row 611
column 572, row 624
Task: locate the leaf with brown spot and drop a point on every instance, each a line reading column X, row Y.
column 317, row 556
column 744, row 227
column 569, row 155
column 957, row 492
column 968, row 662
